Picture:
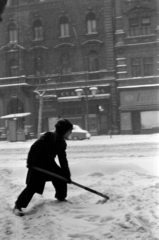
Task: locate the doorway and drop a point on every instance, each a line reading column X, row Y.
column 136, row 122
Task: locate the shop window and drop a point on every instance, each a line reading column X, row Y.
column 148, row 66
column 13, row 33
column 93, row 61
column 91, row 23
column 136, row 67
column 13, row 68
column 150, row 119
column 37, row 30
column 71, row 110
column 64, row 27
column 65, row 64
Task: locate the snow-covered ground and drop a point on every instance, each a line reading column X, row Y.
column 126, row 168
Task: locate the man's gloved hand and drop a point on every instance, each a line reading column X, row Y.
column 69, row 180
column 67, row 175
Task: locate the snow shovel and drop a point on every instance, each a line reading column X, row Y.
column 72, row 182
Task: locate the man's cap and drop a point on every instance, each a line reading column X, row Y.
column 63, row 125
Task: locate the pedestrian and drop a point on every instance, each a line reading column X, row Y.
column 42, row 154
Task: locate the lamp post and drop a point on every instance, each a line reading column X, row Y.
column 40, row 95
column 80, row 94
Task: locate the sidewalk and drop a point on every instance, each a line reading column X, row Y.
column 95, row 140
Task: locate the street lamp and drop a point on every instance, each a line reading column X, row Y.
column 80, row 94
column 41, row 95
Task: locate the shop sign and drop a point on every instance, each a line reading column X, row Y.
column 139, row 97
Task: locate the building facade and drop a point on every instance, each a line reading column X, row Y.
column 137, row 65
column 59, row 48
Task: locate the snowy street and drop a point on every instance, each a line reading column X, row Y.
column 125, row 168
column 142, row 150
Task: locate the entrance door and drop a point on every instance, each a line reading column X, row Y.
column 12, row 130
column 136, row 122
column 92, row 124
column 103, row 124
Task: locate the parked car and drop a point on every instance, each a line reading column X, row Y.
column 79, row 134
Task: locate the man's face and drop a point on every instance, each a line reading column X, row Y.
column 66, row 135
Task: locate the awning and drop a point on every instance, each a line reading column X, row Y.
column 14, row 85
column 66, row 88
column 138, row 86
column 100, row 96
column 139, row 108
column 15, row 115
column 67, row 99
column 90, row 97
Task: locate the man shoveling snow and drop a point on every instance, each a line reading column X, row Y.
column 42, row 154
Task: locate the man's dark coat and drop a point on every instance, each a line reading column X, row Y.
column 42, row 154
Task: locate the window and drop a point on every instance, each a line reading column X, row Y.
column 142, row 67
column 150, row 119
column 37, row 30
column 93, row 61
column 136, row 67
column 134, row 26
column 14, row 2
column 148, row 66
column 38, row 64
column 133, row 22
column 13, row 68
column 65, row 64
column 91, row 23
column 71, row 110
column 8, row 3
column 13, row 35
column 145, row 23
column 139, row 25
column 15, row 106
column 64, row 27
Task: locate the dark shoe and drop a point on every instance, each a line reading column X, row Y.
column 18, row 211
column 62, row 199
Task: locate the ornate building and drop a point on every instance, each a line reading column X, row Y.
column 137, row 64
column 62, row 48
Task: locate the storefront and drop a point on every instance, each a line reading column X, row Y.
column 139, row 109
column 91, row 114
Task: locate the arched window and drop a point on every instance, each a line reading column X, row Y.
column 15, row 106
column 13, row 33
column 13, row 68
column 91, row 23
column 93, row 61
column 65, row 63
column 37, row 30
column 38, row 64
column 64, row 27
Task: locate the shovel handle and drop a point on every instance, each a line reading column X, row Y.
column 72, row 182
column 90, row 190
